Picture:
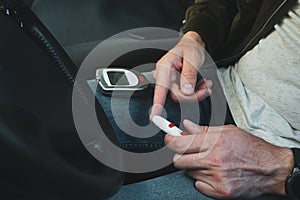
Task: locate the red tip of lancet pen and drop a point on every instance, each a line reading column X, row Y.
column 172, row 125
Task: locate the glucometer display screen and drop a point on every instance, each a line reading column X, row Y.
column 117, row 78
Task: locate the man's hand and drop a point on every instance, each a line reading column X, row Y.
column 228, row 162
column 177, row 70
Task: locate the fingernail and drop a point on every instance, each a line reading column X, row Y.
column 209, row 84
column 150, row 117
column 188, row 88
column 207, row 94
column 183, row 133
column 155, row 110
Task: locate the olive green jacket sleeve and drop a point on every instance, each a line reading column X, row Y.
column 212, row 19
column 230, row 28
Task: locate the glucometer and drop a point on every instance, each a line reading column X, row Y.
column 121, row 82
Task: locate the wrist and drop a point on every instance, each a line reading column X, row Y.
column 285, row 165
column 292, row 183
column 196, row 37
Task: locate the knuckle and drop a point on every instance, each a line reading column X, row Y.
column 189, row 75
column 159, row 64
column 226, row 191
column 159, row 61
column 173, row 143
column 166, row 140
column 178, row 146
column 215, row 162
column 231, row 126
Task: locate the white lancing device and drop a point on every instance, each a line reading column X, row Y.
column 166, row 126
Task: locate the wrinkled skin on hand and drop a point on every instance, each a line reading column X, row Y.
column 227, row 162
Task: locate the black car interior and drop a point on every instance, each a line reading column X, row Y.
column 42, row 44
column 79, row 26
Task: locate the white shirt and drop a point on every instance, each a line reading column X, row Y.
column 263, row 88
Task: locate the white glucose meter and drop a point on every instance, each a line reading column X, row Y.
column 120, row 80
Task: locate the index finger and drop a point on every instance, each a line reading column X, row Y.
column 190, row 161
column 160, row 95
column 164, row 75
column 184, row 144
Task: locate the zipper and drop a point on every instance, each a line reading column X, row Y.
column 14, row 14
column 232, row 58
column 8, row 10
column 264, row 26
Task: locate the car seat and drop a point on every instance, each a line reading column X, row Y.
column 80, row 25
column 41, row 153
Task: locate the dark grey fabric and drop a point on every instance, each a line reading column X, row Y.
column 80, row 25
column 28, row 2
column 76, row 21
column 172, row 186
column 78, row 52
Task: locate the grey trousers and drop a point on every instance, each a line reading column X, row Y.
column 172, row 186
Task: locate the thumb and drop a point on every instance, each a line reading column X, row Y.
column 193, row 128
column 205, row 188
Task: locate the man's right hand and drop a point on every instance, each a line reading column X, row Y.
column 177, row 71
column 230, row 163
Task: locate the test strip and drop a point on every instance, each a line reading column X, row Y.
column 167, row 126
